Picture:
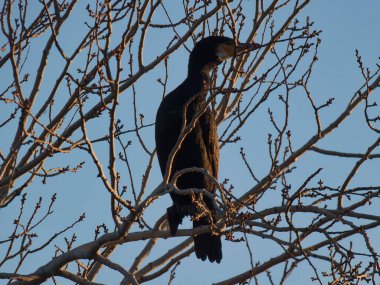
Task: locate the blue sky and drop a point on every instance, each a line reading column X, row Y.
column 346, row 24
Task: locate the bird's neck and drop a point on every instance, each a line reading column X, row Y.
column 200, row 79
column 197, row 85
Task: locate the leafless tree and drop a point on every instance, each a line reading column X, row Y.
column 68, row 67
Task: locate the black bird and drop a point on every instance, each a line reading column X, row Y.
column 200, row 147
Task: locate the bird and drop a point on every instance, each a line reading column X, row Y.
column 200, row 146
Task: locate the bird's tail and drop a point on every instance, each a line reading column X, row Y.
column 207, row 244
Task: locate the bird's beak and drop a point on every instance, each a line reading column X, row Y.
column 243, row 48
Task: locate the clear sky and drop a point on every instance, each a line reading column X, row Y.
column 346, row 24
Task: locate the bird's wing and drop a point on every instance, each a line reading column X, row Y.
column 167, row 130
column 211, row 140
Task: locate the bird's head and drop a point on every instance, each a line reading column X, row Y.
column 212, row 51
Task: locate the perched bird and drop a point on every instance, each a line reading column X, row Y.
column 200, row 147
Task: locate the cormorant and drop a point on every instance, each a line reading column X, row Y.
column 200, row 147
